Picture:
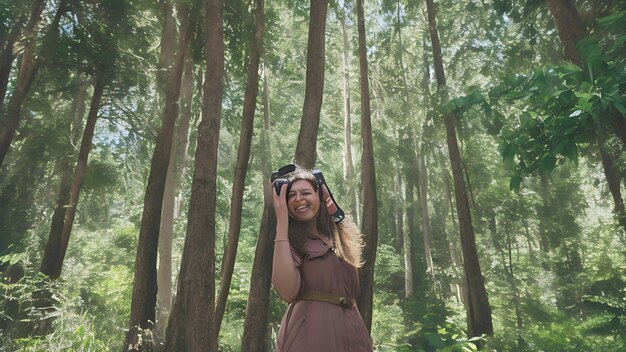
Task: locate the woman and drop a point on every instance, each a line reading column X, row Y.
column 315, row 268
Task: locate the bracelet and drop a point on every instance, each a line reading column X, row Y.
column 281, row 239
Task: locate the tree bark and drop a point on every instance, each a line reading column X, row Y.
column 369, row 224
column 306, row 149
column 409, row 284
column 477, row 303
column 569, row 25
column 241, row 167
column 142, row 313
column 7, row 56
column 257, row 310
column 399, row 209
column 348, row 164
column 422, row 187
column 170, row 209
column 612, row 178
column 29, row 66
column 191, row 325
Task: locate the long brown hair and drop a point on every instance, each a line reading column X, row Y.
column 347, row 238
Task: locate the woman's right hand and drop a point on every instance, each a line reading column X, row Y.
column 280, row 200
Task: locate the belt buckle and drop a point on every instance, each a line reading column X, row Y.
column 344, row 303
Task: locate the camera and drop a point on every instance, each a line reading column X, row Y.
column 278, row 183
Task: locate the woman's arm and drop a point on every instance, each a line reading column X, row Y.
column 285, row 275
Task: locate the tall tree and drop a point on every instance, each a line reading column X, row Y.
column 56, row 247
column 572, row 30
column 369, row 224
column 255, row 326
column 29, row 65
column 476, row 301
column 142, row 313
column 170, row 211
column 64, row 168
column 191, row 325
column 241, row 166
column 348, row 164
column 306, row 149
column 8, row 42
column 104, row 56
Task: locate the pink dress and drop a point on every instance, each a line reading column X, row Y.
column 314, row 326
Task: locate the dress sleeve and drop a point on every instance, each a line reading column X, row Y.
column 285, row 271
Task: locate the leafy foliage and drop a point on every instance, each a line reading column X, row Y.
column 563, row 106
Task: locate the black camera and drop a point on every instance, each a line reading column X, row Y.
column 277, row 177
column 278, row 183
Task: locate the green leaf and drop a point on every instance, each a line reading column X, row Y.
column 616, row 104
column 547, row 163
column 612, row 18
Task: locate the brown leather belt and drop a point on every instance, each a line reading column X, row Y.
column 341, row 301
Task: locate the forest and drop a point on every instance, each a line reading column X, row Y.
column 478, row 144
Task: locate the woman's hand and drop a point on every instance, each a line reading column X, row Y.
column 279, row 191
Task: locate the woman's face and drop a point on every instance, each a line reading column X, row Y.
column 303, row 201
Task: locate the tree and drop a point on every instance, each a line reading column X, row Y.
column 369, row 224
column 104, row 57
column 29, row 66
column 192, row 321
column 241, row 166
column 476, row 301
column 306, row 150
column 58, row 241
column 142, row 314
column 255, row 329
column 348, row 165
column 178, row 156
column 12, row 38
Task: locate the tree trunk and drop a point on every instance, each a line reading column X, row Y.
column 569, row 25
column 241, row 167
column 398, row 215
column 55, row 250
column 422, row 187
column 257, row 310
column 170, row 209
column 7, row 56
column 306, row 150
column 191, row 325
column 348, row 164
column 612, row 178
column 29, row 66
column 369, row 224
column 167, row 54
column 477, row 304
column 515, row 290
column 142, row 312
column 64, row 168
column 409, row 284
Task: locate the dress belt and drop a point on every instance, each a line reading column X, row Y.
column 341, row 301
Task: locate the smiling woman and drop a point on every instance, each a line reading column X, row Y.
column 315, row 263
